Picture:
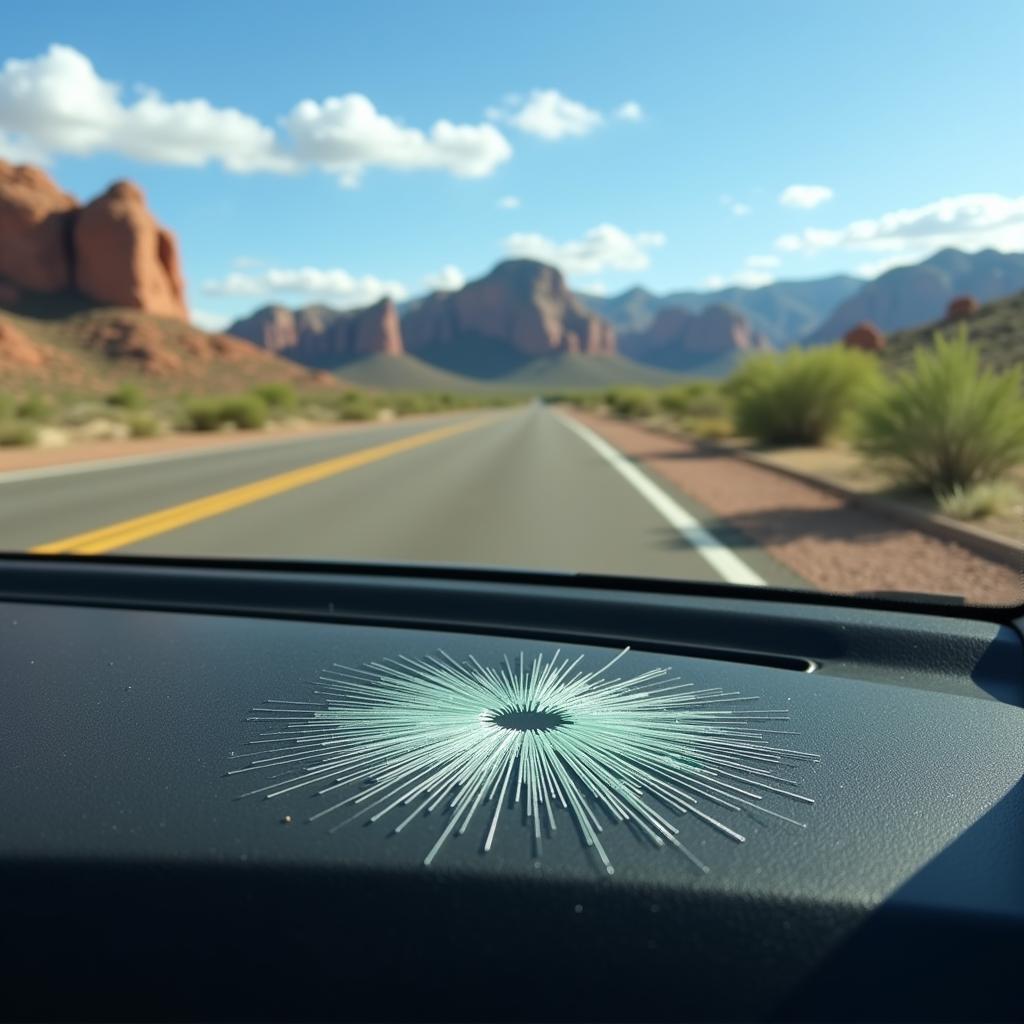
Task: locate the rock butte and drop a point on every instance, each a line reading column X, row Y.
column 112, row 251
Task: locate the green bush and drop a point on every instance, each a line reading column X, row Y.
column 996, row 497
column 946, row 422
column 16, row 432
column 127, row 396
column 247, row 412
column 801, row 396
column 354, row 405
column 202, row 414
column 699, row 398
column 143, row 424
column 35, row 408
column 278, row 398
column 633, row 402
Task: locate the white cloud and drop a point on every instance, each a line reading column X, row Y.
column 547, row 114
column 448, row 279
column 58, row 104
column 714, row 282
column 875, row 268
column 805, row 197
column 754, row 274
column 597, row 288
column 969, row 222
column 347, row 134
column 736, row 208
column 605, row 247
column 509, row 203
column 208, row 321
column 338, row 286
column 21, row 150
column 629, row 111
column 766, row 262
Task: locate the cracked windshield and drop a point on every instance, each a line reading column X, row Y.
column 718, row 293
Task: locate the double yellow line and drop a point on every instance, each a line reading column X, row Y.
column 131, row 531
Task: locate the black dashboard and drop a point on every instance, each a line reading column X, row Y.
column 140, row 882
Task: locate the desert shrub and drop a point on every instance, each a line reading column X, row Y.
column 707, row 428
column 127, row 396
column 35, row 408
column 16, row 432
column 247, row 412
column 278, row 397
column 354, row 405
column 801, row 396
column 993, row 498
column 946, row 423
column 202, row 414
column 699, row 398
column 633, row 402
column 143, row 424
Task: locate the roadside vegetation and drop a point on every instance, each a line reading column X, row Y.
column 949, row 426
column 130, row 412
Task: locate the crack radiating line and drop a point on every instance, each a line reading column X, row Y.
column 406, row 738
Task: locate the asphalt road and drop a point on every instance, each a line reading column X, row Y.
column 523, row 488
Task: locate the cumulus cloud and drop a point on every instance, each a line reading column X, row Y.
column 629, row 111
column 969, row 222
column 57, row 103
column 448, row 279
column 605, row 247
column 755, row 273
column 805, row 197
column 347, row 134
column 509, row 203
column 547, row 114
column 338, row 286
column 735, row 207
column 766, row 262
column 206, row 320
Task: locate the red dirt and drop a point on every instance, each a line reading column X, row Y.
column 833, row 544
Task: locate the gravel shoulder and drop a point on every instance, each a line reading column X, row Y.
column 827, row 540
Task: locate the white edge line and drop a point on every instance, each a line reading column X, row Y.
column 722, row 559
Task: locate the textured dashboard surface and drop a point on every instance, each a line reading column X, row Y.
column 117, row 735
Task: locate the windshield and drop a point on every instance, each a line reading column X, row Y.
column 725, row 293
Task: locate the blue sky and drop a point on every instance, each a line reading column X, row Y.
column 644, row 143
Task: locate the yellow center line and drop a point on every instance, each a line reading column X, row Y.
column 130, row 531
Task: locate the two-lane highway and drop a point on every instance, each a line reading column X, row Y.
column 526, row 488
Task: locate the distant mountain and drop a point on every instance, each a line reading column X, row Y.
column 404, row 373
column 707, row 343
column 783, row 312
column 321, row 337
column 997, row 329
column 570, row 370
column 908, row 296
column 521, row 310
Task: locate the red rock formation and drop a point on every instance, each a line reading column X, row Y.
column 321, row 337
column 521, row 303
column 35, row 226
column 134, row 341
column 111, row 251
column 124, row 258
column 962, row 306
column 17, row 351
column 865, row 336
column 678, row 338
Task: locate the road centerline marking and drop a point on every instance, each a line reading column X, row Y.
column 131, row 531
column 722, row 559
